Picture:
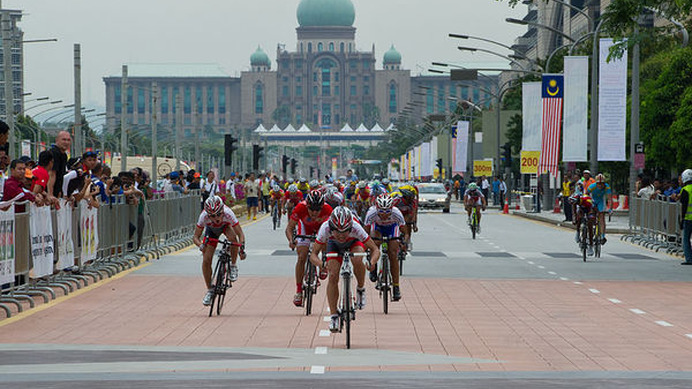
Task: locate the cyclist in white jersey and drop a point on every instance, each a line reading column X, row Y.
column 383, row 219
column 215, row 220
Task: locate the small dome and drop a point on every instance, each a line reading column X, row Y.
column 392, row 57
column 259, row 58
column 321, row 13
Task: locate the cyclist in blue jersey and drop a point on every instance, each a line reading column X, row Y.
column 600, row 192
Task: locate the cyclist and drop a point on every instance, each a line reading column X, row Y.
column 600, row 192
column 473, row 198
column 362, row 198
column 387, row 185
column 276, row 198
column 405, row 200
column 584, row 213
column 383, row 219
column 217, row 219
column 315, row 185
column 292, row 197
column 350, row 192
column 337, row 235
column 303, row 186
column 376, row 190
column 307, row 217
column 333, row 197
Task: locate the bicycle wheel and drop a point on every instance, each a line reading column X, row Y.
column 474, row 222
column 215, row 276
column 384, row 282
column 583, row 241
column 223, row 283
column 597, row 240
column 308, row 289
column 274, row 218
column 347, row 308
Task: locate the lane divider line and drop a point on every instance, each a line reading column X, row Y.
column 317, row 370
column 637, row 311
column 689, row 335
column 541, row 267
column 595, row 291
column 552, row 272
column 320, row 350
column 564, row 279
column 577, row 283
column 325, row 333
column 614, row 301
column 663, row 323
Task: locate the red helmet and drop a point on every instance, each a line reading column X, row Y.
column 213, row 205
column 341, row 219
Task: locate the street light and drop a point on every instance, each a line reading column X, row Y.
column 43, row 104
column 539, row 25
column 473, row 49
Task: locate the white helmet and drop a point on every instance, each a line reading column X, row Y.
column 384, row 202
column 687, row 176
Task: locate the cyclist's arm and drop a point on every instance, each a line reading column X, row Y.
column 196, row 237
column 289, row 230
column 374, row 251
column 240, row 235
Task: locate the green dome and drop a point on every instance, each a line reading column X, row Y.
column 259, row 58
column 321, row 13
column 392, row 56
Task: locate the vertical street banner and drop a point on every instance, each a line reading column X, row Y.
column 334, row 166
column 532, row 114
column 612, row 104
column 26, row 147
column 41, row 231
column 7, row 246
column 426, row 170
column 88, row 225
column 433, row 155
column 461, row 146
column 408, row 164
column 65, row 243
column 552, row 92
column 575, row 134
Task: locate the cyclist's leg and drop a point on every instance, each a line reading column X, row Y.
column 302, row 251
column 232, row 237
column 334, row 265
column 393, row 251
column 358, row 267
column 211, row 239
column 590, row 222
column 478, row 212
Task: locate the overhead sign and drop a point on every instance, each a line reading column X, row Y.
column 529, row 162
column 482, row 168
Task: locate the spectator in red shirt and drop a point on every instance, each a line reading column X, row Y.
column 41, row 176
column 14, row 186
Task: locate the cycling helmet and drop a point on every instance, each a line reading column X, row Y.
column 341, row 219
column 687, row 176
column 384, row 202
column 407, row 193
column 473, row 186
column 276, row 188
column 303, row 180
column 314, row 184
column 213, row 205
column 362, row 185
column 314, row 200
column 600, row 178
column 293, row 188
column 385, row 181
column 334, row 198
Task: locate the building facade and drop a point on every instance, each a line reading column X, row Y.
column 16, row 60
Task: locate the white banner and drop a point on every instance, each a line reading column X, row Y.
column 426, row 169
column 433, row 156
column 612, row 104
column 532, row 116
column 26, row 147
column 89, row 228
column 575, row 109
column 7, row 246
column 42, row 249
column 461, row 146
column 65, row 243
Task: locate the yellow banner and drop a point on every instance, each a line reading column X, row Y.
column 529, row 162
column 482, row 168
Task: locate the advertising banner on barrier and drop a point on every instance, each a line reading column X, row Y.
column 532, row 116
column 65, row 243
column 26, row 147
column 483, row 168
column 612, row 104
column 42, row 249
column 460, row 145
column 88, row 225
column 7, row 246
column 576, row 103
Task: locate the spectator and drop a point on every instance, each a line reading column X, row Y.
column 113, row 188
column 14, row 187
column 28, row 162
column 4, row 133
column 496, row 190
column 485, row 186
column 265, row 189
column 96, row 173
column 503, row 190
column 196, row 184
column 686, row 222
column 647, row 191
column 251, row 190
column 567, row 190
column 77, row 185
column 4, row 162
column 41, row 175
column 587, row 180
column 63, row 141
column 210, row 187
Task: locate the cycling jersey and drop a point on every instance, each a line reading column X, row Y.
column 599, row 195
column 308, row 225
column 294, row 198
column 276, row 195
column 362, row 194
column 386, row 225
column 407, row 208
column 409, row 187
column 357, row 234
column 585, row 202
column 304, row 188
column 214, row 230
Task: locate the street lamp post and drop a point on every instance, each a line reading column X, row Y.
column 123, row 120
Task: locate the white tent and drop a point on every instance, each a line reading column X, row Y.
column 304, row 128
column 346, row 128
column 275, row 129
column 260, row 128
column 361, row 128
column 391, row 127
column 377, row 128
column 290, row 128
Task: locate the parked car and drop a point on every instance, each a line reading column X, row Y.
column 434, row 196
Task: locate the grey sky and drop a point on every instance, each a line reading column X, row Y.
column 227, row 32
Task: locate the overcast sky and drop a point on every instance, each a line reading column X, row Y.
column 227, row 32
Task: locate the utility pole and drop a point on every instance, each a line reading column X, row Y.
column 178, row 129
column 154, row 123
column 7, row 73
column 123, row 120
column 198, row 162
column 78, row 138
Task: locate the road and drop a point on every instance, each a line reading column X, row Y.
column 516, row 307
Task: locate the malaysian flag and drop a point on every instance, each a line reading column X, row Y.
column 552, row 92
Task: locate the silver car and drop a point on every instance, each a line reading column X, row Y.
column 434, row 196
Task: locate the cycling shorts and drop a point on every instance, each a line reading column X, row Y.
column 475, row 201
column 303, row 231
column 340, row 247
column 212, row 235
column 390, row 231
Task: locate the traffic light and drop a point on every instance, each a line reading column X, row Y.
column 439, row 166
column 293, row 166
column 229, row 148
column 507, row 154
column 312, row 171
column 256, row 155
column 284, row 163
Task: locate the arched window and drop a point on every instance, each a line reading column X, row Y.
column 331, row 46
column 341, row 46
column 309, row 47
column 259, row 99
column 392, row 98
column 320, row 47
column 324, row 68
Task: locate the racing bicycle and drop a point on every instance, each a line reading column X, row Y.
column 309, row 277
column 222, row 275
column 346, row 304
column 384, row 280
column 276, row 215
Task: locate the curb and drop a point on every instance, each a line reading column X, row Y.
column 568, row 225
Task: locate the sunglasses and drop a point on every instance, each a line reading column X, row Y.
column 384, row 211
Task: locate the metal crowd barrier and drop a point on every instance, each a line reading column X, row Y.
column 167, row 223
column 655, row 224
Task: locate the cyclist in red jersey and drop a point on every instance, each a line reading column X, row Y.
column 215, row 220
column 292, row 197
column 306, row 219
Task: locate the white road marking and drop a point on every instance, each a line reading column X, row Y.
column 564, row 278
column 596, row 291
column 531, row 263
column 577, row 283
column 615, row 301
column 327, row 318
column 325, row 333
column 637, row 311
column 689, row 335
column 320, row 350
column 541, row 267
column 317, row 370
column 663, row 323
column 552, row 272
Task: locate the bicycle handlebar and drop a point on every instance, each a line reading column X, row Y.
column 336, row 255
column 387, row 238
column 309, row 237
